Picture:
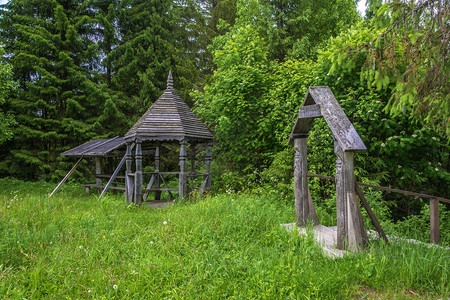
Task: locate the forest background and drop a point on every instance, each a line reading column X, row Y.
column 72, row 71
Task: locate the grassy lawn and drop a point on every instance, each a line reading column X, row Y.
column 225, row 246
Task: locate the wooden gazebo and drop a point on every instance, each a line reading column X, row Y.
column 168, row 120
column 98, row 150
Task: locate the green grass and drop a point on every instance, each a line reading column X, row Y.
column 225, row 246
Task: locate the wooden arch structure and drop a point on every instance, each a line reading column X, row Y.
column 168, row 120
column 320, row 102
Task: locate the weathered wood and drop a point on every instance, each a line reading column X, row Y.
column 167, row 187
column 300, row 182
column 406, row 193
column 157, row 181
column 182, row 189
column 312, row 211
column 334, row 115
column 208, row 159
column 149, row 186
column 98, row 170
column 341, row 201
column 309, row 111
column 129, row 180
column 434, row 221
column 138, row 180
column 93, row 185
column 114, row 175
column 66, row 177
column 372, row 216
column 355, row 241
column 169, row 118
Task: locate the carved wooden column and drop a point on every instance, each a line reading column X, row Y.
column 341, row 199
column 301, row 181
column 129, row 187
column 208, row 159
column 157, row 175
column 98, row 171
column 138, row 174
column 192, row 177
column 182, row 188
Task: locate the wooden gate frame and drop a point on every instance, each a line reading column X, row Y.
column 320, row 102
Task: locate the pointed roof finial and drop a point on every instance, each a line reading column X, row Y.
column 170, row 81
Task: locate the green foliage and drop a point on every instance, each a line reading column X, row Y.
column 7, row 119
column 401, row 152
column 72, row 246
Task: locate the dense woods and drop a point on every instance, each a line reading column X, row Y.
column 72, row 71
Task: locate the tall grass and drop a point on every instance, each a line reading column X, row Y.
column 224, row 246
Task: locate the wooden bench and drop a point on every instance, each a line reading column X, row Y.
column 88, row 186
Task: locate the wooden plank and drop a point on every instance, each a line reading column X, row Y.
column 434, row 221
column 372, row 216
column 309, row 111
column 66, row 177
column 89, row 185
column 160, row 190
column 337, row 120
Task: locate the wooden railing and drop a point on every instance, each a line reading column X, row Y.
column 434, row 203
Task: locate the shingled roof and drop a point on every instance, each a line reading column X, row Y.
column 320, row 102
column 100, row 147
column 169, row 118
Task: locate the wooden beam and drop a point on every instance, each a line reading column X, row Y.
column 66, row 177
column 372, row 216
column 309, row 111
column 434, row 221
column 354, row 230
column 113, row 176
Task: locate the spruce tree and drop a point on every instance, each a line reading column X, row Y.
column 50, row 45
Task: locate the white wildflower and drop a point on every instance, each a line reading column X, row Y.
column 165, row 223
column 414, row 135
column 115, row 286
column 436, row 169
column 383, row 145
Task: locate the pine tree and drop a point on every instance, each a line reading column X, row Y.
column 50, row 45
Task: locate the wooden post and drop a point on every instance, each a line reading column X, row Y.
column 355, row 226
column 138, row 174
column 182, row 177
column 434, row 221
column 98, row 170
column 300, row 181
column 208, row 159
column 192, row 177
column 66, row 177
column 157, row 175
column 129, row 187
column 341, row 201
column 355, row 242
